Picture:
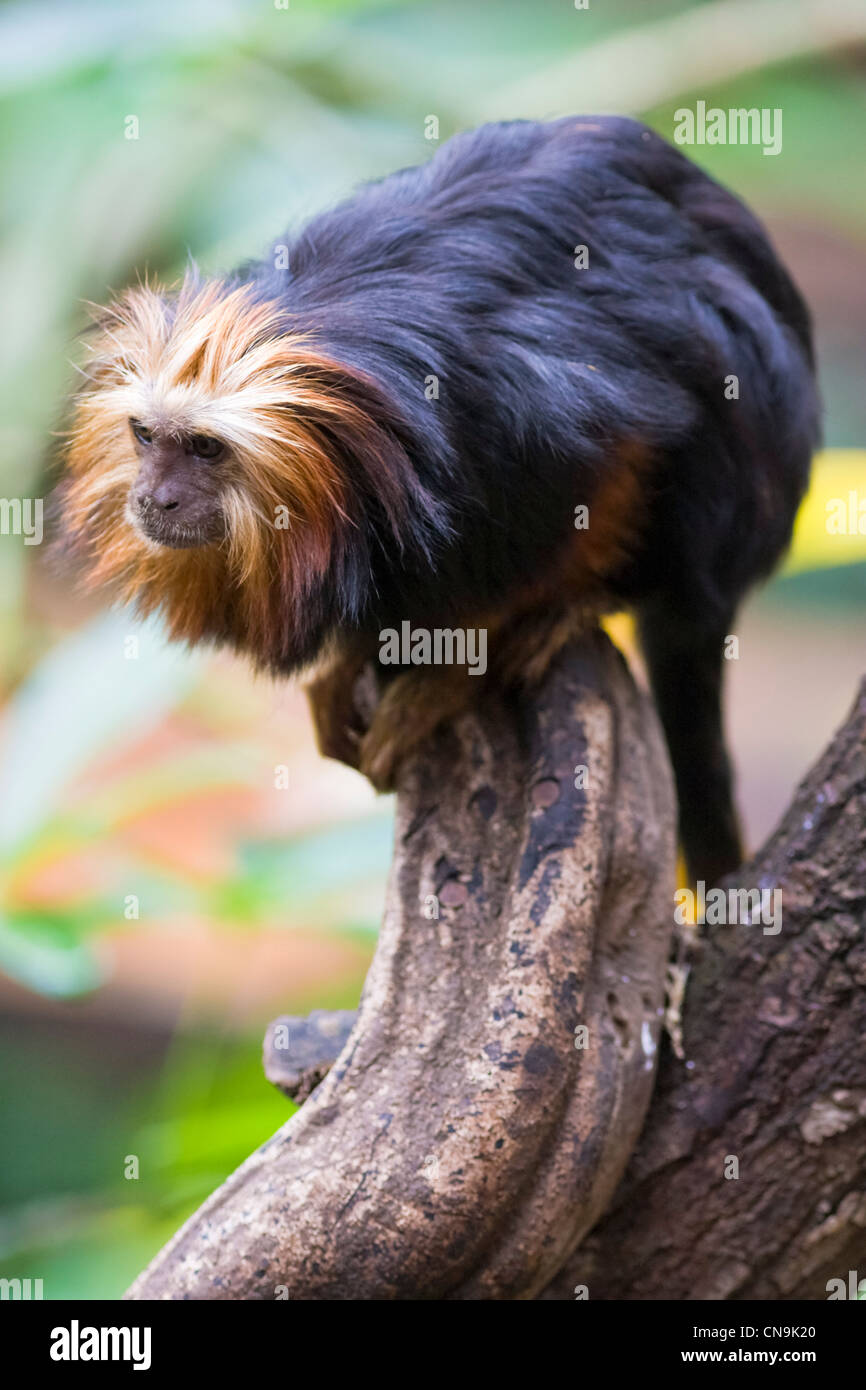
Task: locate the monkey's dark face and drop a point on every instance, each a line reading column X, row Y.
column 176, row 499
column 213, row 467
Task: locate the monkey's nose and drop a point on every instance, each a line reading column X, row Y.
column 164, row 497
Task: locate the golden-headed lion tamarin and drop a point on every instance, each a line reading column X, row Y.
column 397, row 421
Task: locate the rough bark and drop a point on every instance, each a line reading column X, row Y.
column 299, row 1050
column 462, row 1147
column 463, row 1143
column 775, row 1075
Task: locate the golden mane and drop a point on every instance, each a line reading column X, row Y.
column 217, row 360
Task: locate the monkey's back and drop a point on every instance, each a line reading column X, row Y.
column 539, row 297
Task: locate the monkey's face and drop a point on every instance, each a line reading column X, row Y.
column 214, row 468
column 226, row 472
column 176, row 499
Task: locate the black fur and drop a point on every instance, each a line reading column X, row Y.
column 463, row 269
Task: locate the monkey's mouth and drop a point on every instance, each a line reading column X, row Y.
column 175, row 533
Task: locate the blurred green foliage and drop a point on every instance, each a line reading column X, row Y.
column 188, row 1123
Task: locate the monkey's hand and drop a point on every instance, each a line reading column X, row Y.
column 411, row 708
column 342, row 698
column 374, row 725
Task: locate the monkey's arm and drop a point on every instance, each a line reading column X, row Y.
column 375, row 720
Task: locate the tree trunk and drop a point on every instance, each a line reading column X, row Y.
column 467, row 1138
column 775, row 1076
column 470, row 1140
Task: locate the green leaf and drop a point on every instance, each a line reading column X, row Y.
column 44, row 954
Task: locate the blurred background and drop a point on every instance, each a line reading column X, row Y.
column 177, row 864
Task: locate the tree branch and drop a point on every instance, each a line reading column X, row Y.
column 463, row 1144
column 776, row 1077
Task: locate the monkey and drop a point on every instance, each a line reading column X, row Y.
column 400, row 419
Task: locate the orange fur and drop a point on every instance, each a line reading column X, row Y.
column 216, row 361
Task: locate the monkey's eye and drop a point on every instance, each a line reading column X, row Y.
column 204, row 447
column 141, row 432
